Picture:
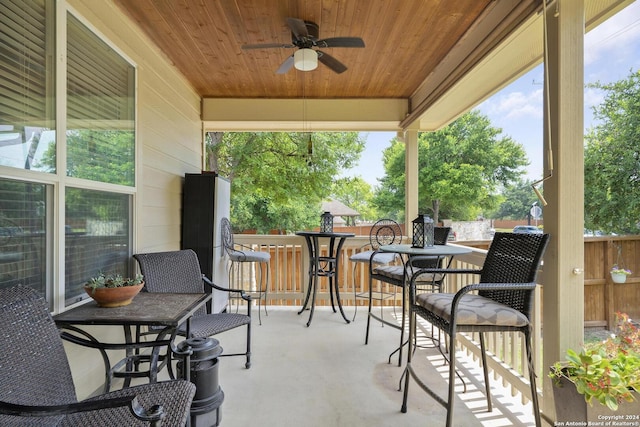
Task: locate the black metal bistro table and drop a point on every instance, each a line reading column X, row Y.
column 406, row 251
column 323, row 266
column 165, row 311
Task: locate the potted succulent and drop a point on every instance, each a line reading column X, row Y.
column 113, row 290
column 603, row 378
column 619, row 275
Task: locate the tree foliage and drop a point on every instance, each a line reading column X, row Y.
column 612, row 159
column 279, row 179
column 356, row 193
column 460, row 169
column 517, row 200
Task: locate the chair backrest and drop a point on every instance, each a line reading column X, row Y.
column 513, row 258
column 440, row 237
column 385, row 232
column 34, row 369
column 173, row 271
column 226, row 234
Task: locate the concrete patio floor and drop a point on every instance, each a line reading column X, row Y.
column 325, row 375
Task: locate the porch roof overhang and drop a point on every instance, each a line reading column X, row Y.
column 419, row 80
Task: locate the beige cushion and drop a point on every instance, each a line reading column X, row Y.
column 472, row 310
column 379, row 258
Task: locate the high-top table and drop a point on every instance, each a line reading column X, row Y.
column 406, row 251
column 164, row 311
column 323, row 266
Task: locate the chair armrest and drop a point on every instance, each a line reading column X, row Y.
column 242, row 293
column 497, row 287
column 155, row 413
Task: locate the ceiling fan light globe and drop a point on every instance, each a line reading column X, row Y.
column 305, row 59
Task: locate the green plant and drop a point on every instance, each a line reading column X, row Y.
column 112, row 281
column 617, row 270
column 609, row 370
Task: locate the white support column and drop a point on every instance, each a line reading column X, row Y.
column 562, row 277
column 411, row 178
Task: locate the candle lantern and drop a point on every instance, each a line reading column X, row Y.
column 326, row 222
column 422, row 232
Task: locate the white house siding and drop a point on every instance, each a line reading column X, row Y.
column 169, row 144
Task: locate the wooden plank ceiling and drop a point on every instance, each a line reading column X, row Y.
column 405, row 41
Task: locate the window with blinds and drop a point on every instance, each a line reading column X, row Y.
column 23, row 234
column 97, row 237
column 27, row 83
column 100, row 109
column 99, row 142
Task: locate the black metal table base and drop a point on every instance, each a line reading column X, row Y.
column 323, row 266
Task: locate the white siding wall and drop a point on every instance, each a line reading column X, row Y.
column 169, row 139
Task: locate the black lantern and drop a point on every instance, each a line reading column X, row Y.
column 326, row 222
column 422, row 232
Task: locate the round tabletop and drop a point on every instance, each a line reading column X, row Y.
column 323, row 234
column 435, row 250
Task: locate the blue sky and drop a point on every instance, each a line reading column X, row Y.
column 612, row 50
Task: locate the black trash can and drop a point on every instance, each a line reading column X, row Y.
column 205, row 409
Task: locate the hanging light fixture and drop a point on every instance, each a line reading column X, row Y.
column 305, row 59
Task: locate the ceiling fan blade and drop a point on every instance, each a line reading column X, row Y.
column 341, row 42
column 286, row 65
column 266, row 46
column 331, row 62
column 298, row 27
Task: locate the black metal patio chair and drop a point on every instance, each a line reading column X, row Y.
column 239, row 254
column 501, row 301
column 382, row 232
column 179, row 271
column 36, row 386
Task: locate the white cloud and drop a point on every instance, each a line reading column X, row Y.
column 517, row 104
column 616, row 38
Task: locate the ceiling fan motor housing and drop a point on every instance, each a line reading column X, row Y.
column 313, row 31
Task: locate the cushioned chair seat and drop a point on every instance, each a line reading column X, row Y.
column 472, row 310
column 249, row 256
column 379, row 258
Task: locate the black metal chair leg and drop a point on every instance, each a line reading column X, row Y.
column 487, row 386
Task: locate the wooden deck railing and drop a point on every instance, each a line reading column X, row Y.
column 288, row 281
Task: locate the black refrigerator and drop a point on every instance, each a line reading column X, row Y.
column 206, row 198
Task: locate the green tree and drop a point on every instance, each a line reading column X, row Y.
column 518, row 198
column 356, row 193
column 460, row 169
column 279, row 179
column 612, row 159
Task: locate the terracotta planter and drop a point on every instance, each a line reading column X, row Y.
column 571, row 407
column 114, row 297
column 618, row 277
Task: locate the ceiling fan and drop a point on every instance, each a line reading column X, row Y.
column 304, row 36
